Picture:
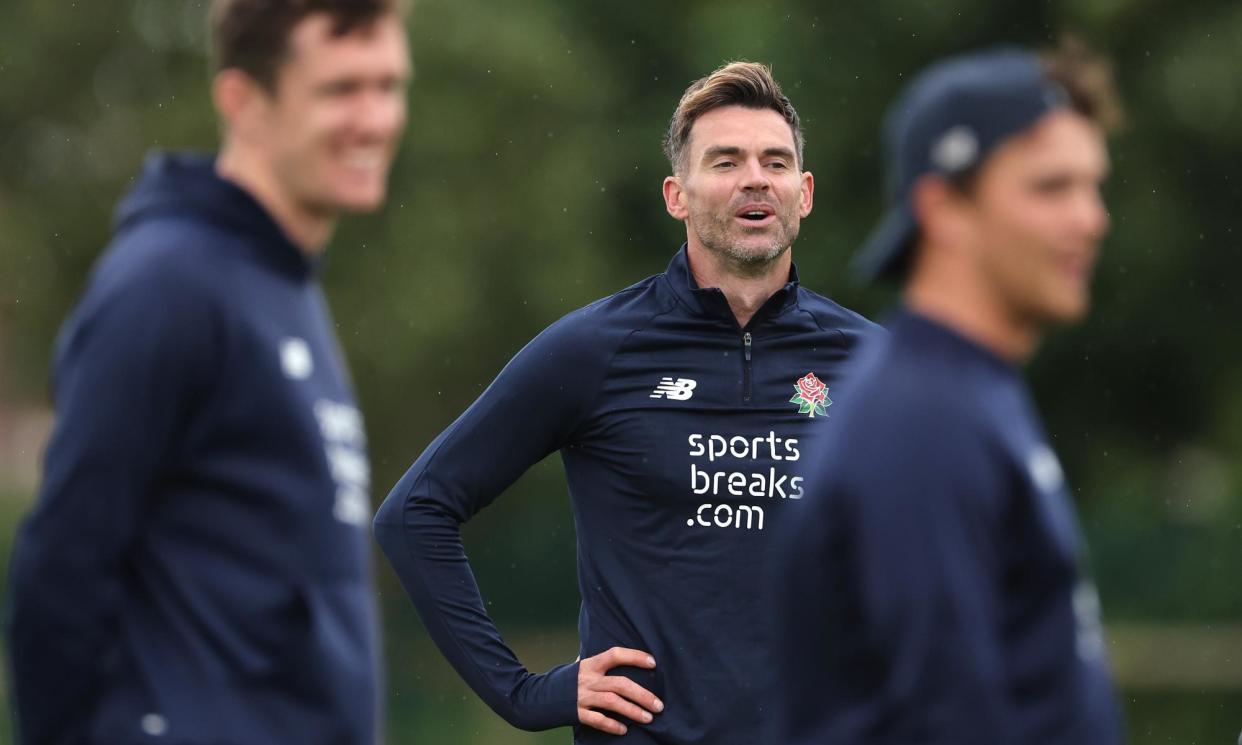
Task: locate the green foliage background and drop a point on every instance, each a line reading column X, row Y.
column 528, row 185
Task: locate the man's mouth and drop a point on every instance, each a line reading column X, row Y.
column 1077, row 266
column 755, row 215
column 368, row 159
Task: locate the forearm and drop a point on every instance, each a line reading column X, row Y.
column 425, row 549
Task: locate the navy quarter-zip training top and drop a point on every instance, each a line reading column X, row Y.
column 933, row 594
column 196, row 569
column 684, row 450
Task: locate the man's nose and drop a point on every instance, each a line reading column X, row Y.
column 381, row 114
column 754, row 177
column 1093, row 214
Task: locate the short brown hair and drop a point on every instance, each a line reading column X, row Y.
column 253, row 35
column 748, row 84
column 1088, row 79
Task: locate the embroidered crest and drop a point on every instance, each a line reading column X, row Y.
column 812, row 396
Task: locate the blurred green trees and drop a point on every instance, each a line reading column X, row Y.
column 528, row 185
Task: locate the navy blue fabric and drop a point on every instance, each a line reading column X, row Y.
column 676, row 498
column 196, row 568
column 933, row 594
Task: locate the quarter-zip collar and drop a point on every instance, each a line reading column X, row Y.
column 905, row 321
column 710, row 302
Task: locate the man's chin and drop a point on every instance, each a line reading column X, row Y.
column 757, row 249
column 1077, row 313
column 1068, row 310
column 361, row 203
column 756, row 254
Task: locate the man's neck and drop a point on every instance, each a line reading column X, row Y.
column 308, row 230
column 974, row 313
column 746, row 289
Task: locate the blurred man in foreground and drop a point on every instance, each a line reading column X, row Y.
column 670, row 405
column 934, row 591
column 196, row 568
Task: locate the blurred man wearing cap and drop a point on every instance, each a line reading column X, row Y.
column 935, row 594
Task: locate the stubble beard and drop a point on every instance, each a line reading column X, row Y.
column 717, row 233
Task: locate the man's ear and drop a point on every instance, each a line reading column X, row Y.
column 238, row 99
column 807, row 196
column 675, row 198
column 942, row 210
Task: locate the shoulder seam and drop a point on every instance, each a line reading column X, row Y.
column 840, row 334
column 848, row 312
column 617, row 350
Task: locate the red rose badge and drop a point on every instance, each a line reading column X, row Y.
column 812, row 396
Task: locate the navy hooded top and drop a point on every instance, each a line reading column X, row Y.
column 196, row 567
column 683, row 438
column 934, row 592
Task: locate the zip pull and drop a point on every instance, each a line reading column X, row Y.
column 746, row 367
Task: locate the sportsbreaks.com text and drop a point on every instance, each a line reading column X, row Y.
column 714, row 459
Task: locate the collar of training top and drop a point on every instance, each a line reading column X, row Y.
column 905, row 322
column 712, row 303
column 187, row 183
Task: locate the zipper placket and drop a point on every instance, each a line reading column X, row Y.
column 746, row 344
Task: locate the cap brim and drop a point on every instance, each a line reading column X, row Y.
column 884, row 254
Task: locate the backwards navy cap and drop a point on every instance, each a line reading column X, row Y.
column 945, row 122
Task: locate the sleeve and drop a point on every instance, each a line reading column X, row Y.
column 888, row 599
column 528, row 412
column 130, row 362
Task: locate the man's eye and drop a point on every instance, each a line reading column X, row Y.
column 1052, row 185
column 393, row 85
column 778, row 164
column 724, row 164
column 342, row 88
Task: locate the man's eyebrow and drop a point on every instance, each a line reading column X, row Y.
column 716, row 150
column 781, row 152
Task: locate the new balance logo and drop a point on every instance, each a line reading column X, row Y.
column 678, row 390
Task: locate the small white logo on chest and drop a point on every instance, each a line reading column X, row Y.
column 295, row 358
column 677, row 390
column 1045, row 469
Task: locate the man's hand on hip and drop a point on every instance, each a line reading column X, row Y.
column 599, row 692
